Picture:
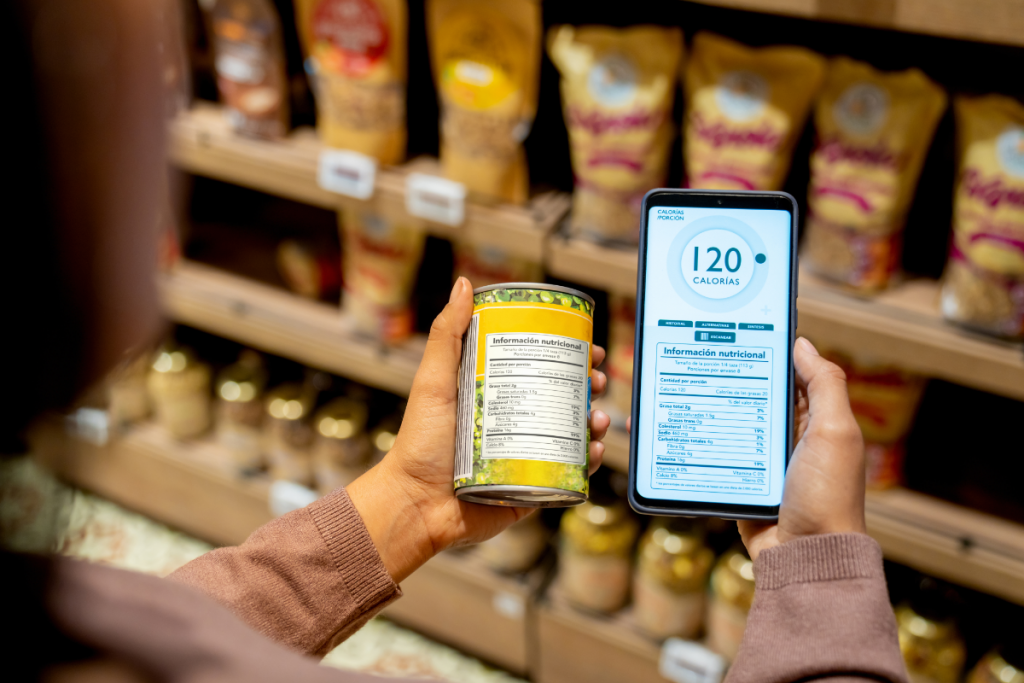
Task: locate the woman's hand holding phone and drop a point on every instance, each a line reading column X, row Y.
column 825, row 481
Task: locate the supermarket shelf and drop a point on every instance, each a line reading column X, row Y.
column 576, row 646
column 901, row 326
column 936, row 537
column 279, row 322
column 996, row 21
column 186, row 485
column 191, row 486
column 202, row 143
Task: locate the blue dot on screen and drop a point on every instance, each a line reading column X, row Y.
column 760, row 258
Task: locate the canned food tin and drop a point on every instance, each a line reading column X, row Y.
column 524, row 397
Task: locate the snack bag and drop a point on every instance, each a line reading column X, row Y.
column 380, row 260
column 984, row 281
column 884, row 400
column 873, row 129
column 250, row 66
column 618, row 86
column 745, row 109
column 486, row 62
column 488, row 265
column 356, row 58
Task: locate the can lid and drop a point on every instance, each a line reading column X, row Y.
column 538, row 286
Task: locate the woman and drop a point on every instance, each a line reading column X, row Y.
column 89, row 153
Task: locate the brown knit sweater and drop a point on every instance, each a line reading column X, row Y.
column 311, row 578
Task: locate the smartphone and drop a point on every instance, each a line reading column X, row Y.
column 712, row 367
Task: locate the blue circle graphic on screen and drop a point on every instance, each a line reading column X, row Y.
column 717, row 264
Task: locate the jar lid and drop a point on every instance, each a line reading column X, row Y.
column 341, row 418
column 171, row 360
column 288, row 402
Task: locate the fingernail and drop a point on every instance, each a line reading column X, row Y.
column 808, row 346
column 457, row 289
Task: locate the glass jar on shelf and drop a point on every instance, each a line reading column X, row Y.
column 341, row 447
column 1004, row 664
column 127, row 394
column 384, row 435
column 931, row 645
column 179, row 388
column 287, row 436
column 732, row 592
column 239, row 396
column 595, row 553
column 670, row 579
column 518, row 547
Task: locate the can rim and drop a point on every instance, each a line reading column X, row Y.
column 537, row 285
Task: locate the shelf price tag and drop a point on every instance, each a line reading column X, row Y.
column 435, row 199
column 683, row 661
column 286, row 496
column 349, row 173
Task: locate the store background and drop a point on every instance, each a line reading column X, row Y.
column 963, row 449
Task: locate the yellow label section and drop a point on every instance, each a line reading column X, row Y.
column 541, row 318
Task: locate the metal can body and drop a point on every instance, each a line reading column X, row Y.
column 524, row 397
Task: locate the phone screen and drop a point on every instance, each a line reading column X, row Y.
column 714, row 385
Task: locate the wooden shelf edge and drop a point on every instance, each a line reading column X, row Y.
column 995, row 21
column 202, row 143
column 279, row 322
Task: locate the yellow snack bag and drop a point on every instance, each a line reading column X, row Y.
column 984, row 283
column 745, row 109
column 873, row 129
column 486, row 62
column 380, row 260
column 356, row 57
column 618, row 86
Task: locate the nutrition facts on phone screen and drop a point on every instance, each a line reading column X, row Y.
column 712, row 418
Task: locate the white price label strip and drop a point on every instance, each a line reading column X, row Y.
column 435, row 199
column 683, row 661
column 286, row 496
column 349, row 173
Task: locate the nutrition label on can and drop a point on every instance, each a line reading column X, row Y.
column 535, row 393
column 712, row 418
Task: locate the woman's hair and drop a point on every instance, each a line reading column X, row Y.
column 43, row 343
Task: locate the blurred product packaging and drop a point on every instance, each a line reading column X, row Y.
column 595, row 553
column 380, row 260
column 486, row 62
column 732, row 592
column 356, row 57
column 874, row 129
column 884, row 399
column 745, row 110
column 384, row 435
column 250, row 66
column 341, row 448
column 621, row 334
column 984, row 281
column 127, row 394
column 287, row 436
column 932, row 647
column 179, row 388
column 517, row 548
column 670, row 582
column 485, row 265
column 618, row 87
column 310, row 270
column 239, row 398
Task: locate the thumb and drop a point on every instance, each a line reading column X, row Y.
column 825, row 382
column 437, row 377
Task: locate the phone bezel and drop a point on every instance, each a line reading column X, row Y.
column 726, row 199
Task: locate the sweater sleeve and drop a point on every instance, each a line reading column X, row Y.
column 821, row 611
column 308, row 579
